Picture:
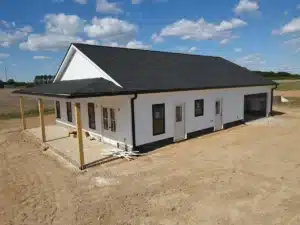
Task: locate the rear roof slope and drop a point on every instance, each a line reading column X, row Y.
column 144, row 70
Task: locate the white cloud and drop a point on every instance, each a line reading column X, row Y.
column 192, row 49
column 58, row 1
column 238, row 50
column 91, row 42
column 226, row 41
column 285, row 12
column 48, row 42
column 136, row 1
column 82, row 2
column 4, row 55
column 200, row 30
column 63, row 24
column 156, row 38
column 104, row 6
column 41, row 57
column 11, row 35
column 251, row 60
column 110, row 29
column 291, row 27
column 298, row 6
column 137, row 45
column 246, row 6
column 7, row 24
column 14, row 64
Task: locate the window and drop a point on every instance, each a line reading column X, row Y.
column 217, row 107
column 112, row 120
column 199, row 107
column 57, row 110
column 178, row 113
column 91, row 114
column 158, row 116
column 69, row 111
column 105, row 118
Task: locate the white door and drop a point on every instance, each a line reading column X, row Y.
column 218, row 115
column 179, row 132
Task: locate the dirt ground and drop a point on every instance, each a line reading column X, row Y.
column 245, row 175
column 292, row 93
column 11, row 103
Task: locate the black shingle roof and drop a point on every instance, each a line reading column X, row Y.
column 154, row 71
column 74, row 88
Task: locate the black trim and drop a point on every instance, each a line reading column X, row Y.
column 272, row 99
column 164, row 119
column 133, row 121
column 233, row 124
column 154, row 145
column 199, row 133
column 102, row 94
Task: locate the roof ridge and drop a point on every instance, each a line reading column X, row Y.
column 143, row 50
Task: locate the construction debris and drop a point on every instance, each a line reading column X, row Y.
column 129, row 155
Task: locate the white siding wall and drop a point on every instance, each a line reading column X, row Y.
column 81, row 68
column 233, row 110
column 121, row 104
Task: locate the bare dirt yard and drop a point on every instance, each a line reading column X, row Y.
column 10, row 104
column 245, row 175
column 291, row 93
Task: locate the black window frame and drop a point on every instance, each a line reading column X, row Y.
column 199, row 113
column 162, row 120
column 58, row 112
column 113, row 124
column 91, row 115
column 69, row 112
column 105, row 119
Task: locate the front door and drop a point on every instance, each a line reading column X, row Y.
column 179, row 133
column 218, row 115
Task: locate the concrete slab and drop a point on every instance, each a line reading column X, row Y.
column 58, row 140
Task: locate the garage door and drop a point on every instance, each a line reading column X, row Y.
column 255, row 105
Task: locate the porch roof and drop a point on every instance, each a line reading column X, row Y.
column 74, row 89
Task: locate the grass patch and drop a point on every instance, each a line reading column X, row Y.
column 28, row 113
column 289, row 86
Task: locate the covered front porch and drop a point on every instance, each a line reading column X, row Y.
column 69, row 141
column 59, row 140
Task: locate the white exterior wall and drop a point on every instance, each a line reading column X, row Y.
column 233, row 110
column 121, row 104
column 82, row 68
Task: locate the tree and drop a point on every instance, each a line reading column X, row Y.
column 11, row 81
column 1, row 84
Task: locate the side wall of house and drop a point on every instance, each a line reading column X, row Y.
column 121, row 104
column 232, row 110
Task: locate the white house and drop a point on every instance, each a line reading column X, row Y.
column 140, row 99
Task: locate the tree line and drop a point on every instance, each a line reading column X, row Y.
column 278, row 75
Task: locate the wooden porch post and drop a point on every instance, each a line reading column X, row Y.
column 79, row 135
column 22, row 113
column 42, row 122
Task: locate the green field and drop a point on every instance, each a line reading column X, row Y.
column 289, row 86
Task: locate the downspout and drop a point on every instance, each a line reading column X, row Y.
column 133, row 121
column 272, row 96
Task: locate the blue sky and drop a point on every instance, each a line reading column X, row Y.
column 261, row 35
